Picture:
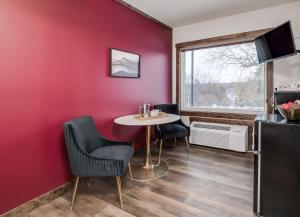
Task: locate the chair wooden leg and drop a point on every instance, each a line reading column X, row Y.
column 74, row 192
column 129, row 169
column 118, row 179
column 160, row 151
column 175, row 142
column 187, row 144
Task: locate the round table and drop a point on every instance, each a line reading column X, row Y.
column 148, row 170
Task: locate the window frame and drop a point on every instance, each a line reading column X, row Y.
column 232, row 39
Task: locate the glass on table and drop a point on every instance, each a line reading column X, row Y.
column 146, row 109
column 141, row 111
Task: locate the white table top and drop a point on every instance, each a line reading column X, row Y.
column 129, row 120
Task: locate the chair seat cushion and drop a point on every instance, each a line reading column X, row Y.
column 169, row 131
column 114, row 152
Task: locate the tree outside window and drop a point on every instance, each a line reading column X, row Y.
column 223, row 78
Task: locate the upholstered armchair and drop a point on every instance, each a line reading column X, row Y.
column 92, row 155
column 172, row 130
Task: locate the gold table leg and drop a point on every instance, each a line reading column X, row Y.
column 148, row 171
column 148, row 163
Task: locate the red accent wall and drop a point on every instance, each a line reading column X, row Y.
column 54, row 65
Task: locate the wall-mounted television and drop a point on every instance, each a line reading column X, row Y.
column 277, row 43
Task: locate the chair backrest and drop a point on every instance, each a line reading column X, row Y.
column 84, row 133
column 168, row 108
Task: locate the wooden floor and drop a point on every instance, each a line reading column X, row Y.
column 206, row 183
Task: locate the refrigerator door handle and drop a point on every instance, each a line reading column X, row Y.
column 259, row 168
column 254, row 152
column 253, row 140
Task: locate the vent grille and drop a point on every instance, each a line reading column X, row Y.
column 212, row 127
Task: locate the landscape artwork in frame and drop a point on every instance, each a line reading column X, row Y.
column 125, row 64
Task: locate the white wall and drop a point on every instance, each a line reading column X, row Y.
column 285, row 69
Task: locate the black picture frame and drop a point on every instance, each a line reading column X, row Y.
column 124, row 64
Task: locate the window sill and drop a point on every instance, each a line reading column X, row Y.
column 219, row 114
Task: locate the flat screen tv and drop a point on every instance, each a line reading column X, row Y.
column 277, row 43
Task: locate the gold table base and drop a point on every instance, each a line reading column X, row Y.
column 148, row 171
column 143, row 173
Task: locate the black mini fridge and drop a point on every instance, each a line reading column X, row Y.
column 276, row 167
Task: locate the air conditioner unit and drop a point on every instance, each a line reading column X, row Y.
column 224, row 136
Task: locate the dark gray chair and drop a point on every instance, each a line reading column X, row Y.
column 173, row 130
column 91, row 155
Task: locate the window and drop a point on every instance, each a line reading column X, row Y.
column 223, row 78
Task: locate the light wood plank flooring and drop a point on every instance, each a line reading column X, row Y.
column 206, row 183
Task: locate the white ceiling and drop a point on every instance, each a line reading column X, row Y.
column 181, row 12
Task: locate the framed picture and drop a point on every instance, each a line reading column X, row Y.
column 124, row 64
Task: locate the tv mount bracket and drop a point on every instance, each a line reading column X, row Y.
column 298, row 51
